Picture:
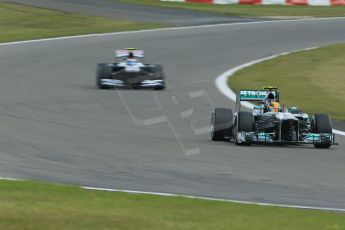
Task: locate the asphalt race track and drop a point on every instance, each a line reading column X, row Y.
column 56, row 126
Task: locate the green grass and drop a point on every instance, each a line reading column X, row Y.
column 314, row 80
column 35, row 205
column 251, row 10
column 18, row 22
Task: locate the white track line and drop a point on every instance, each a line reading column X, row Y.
column 200, row 197
column 214, row 199
column 342, row 133
column 222, row 80
column 7, row 178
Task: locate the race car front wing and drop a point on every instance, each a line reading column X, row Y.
column 267, row 138
column 142, row 84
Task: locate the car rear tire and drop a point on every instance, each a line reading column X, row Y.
column 322, row 124
column 221, row 124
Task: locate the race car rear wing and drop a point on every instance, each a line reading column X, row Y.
column 257, row 96
column 125, row 53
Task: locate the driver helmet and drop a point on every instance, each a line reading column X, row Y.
column 274, row 107
column 131, row 59
column 130, row 55
column 268, row 99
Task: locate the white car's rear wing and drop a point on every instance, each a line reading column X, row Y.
column 125, row 53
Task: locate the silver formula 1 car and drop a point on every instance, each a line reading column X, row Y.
column 129, row 71
column 269, row 123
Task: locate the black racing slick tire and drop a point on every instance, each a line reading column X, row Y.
column 221, row 124
column 103, row 71
column 161, row 87
column 322, row 124
column 244, row 123
column 158, row 72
